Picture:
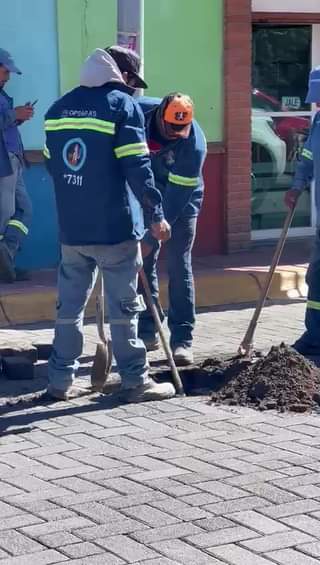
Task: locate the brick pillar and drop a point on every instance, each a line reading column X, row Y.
column 237, row 69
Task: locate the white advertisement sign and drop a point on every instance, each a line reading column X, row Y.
column 304, row 6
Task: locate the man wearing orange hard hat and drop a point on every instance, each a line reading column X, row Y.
column 178, row 150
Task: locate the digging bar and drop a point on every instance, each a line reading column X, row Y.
column 245, row 348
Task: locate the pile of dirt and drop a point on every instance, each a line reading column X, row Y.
column 283, row 380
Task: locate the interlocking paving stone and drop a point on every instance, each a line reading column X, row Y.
column 290, row 508
column 215, row 523
column 19, row 521
column 236, row 505
column 291, row 557
column 220, row 489
column 277, row 541
column 179, row 509
column 256, row 521
column 304, row 523
column 238, row 555
column 173, row 531
column 84, row 549
column 148, row 472
column 221, row 537
column 58, row 539
column 151, row 516
column 17, row 543
column 310, row 548
column 46, row 557
column 69, row 524
column 127, row 548
column 183, row 553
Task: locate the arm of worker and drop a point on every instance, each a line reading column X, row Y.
column 10, row 116
column 304, row 170
column 132, row 151
column 183, row 179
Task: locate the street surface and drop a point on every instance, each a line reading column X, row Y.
column 164, row 483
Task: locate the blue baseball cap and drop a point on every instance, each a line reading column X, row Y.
column 314, row 86
column 7, row 61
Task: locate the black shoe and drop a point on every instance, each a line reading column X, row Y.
column 7, row 270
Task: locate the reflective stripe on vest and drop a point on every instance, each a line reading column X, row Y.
column 307, row 154
column 131, row 150
column 19, row 225
column 92, row 124
column 46, row 152
column 313, row 305
column 190, row 182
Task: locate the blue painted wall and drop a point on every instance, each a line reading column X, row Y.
column 29, row 31
column 40, row 249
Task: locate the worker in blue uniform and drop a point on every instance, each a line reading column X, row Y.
column 178, row 150
column 95, row 150
column 308, row 168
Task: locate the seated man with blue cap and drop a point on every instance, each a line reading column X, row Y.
column 308, row 168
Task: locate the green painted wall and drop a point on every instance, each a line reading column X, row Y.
column 82, row 26
column 183, row 51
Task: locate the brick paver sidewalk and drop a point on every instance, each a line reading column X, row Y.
column 164, row 483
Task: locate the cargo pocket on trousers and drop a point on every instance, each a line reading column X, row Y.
column 133, row 305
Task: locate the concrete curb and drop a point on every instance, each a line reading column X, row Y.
column 213, row 288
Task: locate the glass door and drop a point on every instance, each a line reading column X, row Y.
column 282, row 58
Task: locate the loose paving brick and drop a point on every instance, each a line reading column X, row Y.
column 236, row 555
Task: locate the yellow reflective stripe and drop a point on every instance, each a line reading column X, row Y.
column 1, row 237
column 93, row 124
column 307, row 154
column 131, row 149
column 184, row 181
column 46, row 152
column 19, row 225
column 313, row 305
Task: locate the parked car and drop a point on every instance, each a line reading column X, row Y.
column 269, row 152
column 292, row 129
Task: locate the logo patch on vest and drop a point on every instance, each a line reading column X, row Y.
column 74, row 154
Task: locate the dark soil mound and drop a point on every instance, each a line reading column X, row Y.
column 282, row 380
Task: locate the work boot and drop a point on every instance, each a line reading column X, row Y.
column 7, row 270
column 150, row 390
column 70, row 393
column 182, row 354
column 152, row 343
